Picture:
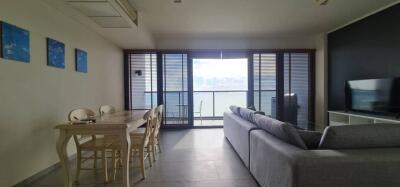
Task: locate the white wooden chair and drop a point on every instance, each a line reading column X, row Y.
column 106, row 109
column 154, row 143
column 88, row 143
column 139, row 145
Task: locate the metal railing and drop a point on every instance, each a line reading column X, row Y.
column 215, row 102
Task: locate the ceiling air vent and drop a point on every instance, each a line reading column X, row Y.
column 107, row 13
column 129, row 10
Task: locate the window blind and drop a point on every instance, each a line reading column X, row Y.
column 264, row 72
column 297, row 81
column 142, row 80
column 175, row 85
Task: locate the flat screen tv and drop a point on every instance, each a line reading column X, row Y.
column 379, row 96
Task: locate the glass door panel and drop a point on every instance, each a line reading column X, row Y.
column 175, row 89
column 297, row 89
column 142, row 80
column 217, row 84
column 264, row 67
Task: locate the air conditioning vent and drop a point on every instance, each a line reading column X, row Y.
column 107, row 13
column 129, row 10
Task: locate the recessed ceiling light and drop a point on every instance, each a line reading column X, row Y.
column 177, row 1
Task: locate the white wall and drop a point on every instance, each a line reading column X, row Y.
column 35, row 97
column 321, row 68
column 235, row 42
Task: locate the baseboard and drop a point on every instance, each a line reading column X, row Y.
column 40, row 174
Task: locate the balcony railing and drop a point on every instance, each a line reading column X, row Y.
column 213, row 103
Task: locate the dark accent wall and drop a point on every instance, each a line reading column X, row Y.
column 369, row 48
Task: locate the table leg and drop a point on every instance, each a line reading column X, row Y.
column 61, row 147
column 125, row 148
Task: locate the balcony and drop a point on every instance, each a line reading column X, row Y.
column 208, row 106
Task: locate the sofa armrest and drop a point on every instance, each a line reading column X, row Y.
column 276, row 163
column 348, row 168
column 272, row 161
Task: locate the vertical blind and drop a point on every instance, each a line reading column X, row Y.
column 297, row 68
column 175, row 84
column 142, row 80
column 264, row 72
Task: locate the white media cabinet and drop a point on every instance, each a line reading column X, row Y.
column 354, row 118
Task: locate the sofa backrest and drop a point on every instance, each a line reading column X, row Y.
column 244, row 113
column 247, row 114
column 361, row 136
column 235, row 109
column 279, row 129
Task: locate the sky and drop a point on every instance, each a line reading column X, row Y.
column 219, row 74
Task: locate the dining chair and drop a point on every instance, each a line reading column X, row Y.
column 88, row 143
column 106, row 109
column 139, row 145
column 154, row 142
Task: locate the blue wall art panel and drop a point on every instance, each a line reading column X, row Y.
column 14, row 42
column 80, row 60
column 55, row 53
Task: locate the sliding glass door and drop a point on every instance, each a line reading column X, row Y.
column 297, row 90
column 142, row 68
column 264, row 83
column 217, row 84
column 196, row 88
column 175, row 89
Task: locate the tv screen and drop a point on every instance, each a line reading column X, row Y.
column 374, row 95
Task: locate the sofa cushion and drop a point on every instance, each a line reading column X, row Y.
column 361, row 136
column 247, row 114
column 310, row 138
column 235, row 109
column 281, row 130
column 253, row 108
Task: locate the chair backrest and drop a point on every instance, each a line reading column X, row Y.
column 150, row 120
column 106, row 109
column 157, row 124
column 78, row 115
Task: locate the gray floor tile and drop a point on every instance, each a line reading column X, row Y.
column 197, row 157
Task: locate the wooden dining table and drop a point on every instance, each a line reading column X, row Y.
column 116, row 124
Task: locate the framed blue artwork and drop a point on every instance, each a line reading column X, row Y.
column 55, row 53
column 14, row 43
column 80, row 60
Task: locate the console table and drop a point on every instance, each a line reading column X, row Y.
column 357, row 118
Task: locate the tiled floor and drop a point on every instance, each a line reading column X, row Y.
column 208, row 122
column 198, row 157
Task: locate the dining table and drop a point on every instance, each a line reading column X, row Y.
column 118, row 124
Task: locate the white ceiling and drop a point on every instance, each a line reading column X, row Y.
column 107, row 19
column 249, row 18
column 162, row 21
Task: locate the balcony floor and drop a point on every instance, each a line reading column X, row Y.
column 198, row 123
column 208, row 122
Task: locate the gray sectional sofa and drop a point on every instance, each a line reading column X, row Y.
column 278, row 155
